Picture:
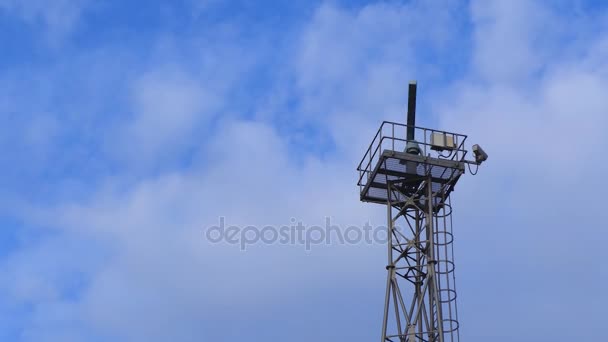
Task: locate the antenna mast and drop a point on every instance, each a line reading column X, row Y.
column 414, row 180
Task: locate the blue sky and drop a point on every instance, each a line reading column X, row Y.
column 128, row 128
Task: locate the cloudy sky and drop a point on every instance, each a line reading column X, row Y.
column 128, row 128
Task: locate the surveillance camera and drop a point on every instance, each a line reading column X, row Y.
column 480, row 154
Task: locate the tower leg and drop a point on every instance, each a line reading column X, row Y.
column 389, row 267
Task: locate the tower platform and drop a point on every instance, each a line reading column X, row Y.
column 440, row 161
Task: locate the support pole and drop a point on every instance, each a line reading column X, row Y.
column 411, row 110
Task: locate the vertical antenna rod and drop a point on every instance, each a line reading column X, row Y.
column 411, row 111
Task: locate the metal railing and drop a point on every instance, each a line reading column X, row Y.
column 392, row 136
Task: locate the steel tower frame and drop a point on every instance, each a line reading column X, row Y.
column 421, row 258
column 414, row 179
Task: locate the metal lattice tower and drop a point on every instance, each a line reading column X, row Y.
column 414, row 179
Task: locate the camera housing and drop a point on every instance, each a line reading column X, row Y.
column 480, row 154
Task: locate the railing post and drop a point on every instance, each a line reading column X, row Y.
column 424, row 131
column 393, row 135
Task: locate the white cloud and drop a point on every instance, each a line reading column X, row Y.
column 164, row 276
column 56, row 18
column 359, row 61
column 170, row 106
column 513, row 39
